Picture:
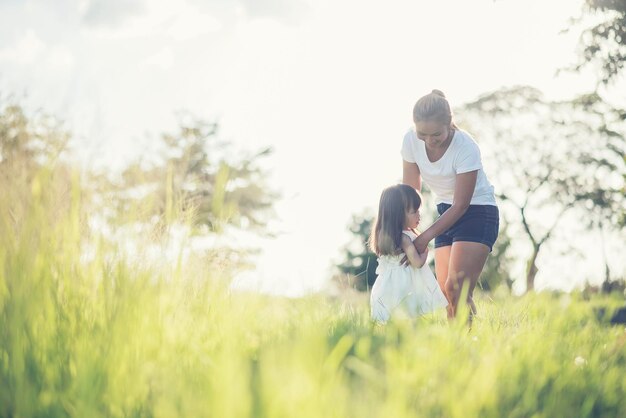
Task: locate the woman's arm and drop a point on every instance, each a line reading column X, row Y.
column 411, row 175
column 412, row 255
column 463, row 191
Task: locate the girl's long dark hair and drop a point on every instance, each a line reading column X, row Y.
column 395, row 202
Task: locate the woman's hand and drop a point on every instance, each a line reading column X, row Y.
column 424, row 256
column 421, row 243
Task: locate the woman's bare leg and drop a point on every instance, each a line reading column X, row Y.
column 442, row 260
column 466, row 262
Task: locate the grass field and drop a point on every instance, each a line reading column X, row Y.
column 108, row 337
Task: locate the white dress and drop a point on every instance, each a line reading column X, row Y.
column 404, row 290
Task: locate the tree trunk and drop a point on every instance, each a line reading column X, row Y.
column 606, row 285
column 531, row 270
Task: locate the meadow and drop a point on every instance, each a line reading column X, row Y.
column 115, row 336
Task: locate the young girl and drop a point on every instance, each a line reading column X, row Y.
column 401, row 290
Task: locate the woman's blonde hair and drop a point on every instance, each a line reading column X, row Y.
column 433, row 107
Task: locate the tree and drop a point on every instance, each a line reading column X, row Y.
column 360, row 262
column 31, row 146
column 605, row 42
column 28, row 143
column 194, row 174
column 497, row 270
column 552, row 157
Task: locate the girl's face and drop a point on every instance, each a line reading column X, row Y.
column 412, row 219
column 435, row 134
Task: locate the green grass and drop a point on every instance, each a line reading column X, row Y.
column 111, row 337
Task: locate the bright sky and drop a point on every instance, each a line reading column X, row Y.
column 329, row 84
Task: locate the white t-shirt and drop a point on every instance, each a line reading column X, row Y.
column 462, row 156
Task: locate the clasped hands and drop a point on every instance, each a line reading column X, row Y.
column 421, row 245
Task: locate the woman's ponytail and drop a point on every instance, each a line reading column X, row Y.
column 433, row 106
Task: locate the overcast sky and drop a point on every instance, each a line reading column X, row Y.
column 329, row 84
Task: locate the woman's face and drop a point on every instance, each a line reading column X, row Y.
column 433, row 133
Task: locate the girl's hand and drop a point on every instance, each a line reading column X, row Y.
column 422, row 257
column 412, row 256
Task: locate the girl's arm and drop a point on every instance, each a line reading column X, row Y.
column 463, row 191
column 411, row 175
column 414, row 258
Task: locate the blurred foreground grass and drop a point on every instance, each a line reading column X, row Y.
column 109, row 336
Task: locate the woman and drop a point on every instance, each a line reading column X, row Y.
column 448, row 159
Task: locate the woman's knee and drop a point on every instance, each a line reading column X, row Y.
column 451, row 288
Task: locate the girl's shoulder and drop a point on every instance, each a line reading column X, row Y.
column 412, row 235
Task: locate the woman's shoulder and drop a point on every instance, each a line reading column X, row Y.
column 465, row 142
column 464, row 136
column 411, row 144
column 409, row 135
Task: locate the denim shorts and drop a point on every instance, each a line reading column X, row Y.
column 480, row 223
